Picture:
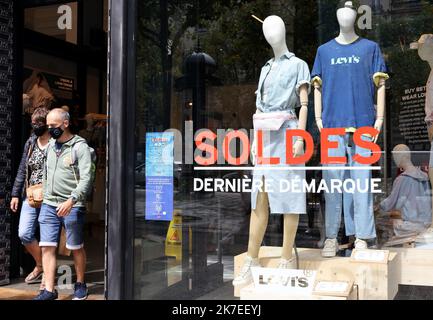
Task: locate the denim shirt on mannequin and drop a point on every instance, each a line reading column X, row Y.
column 292, row 73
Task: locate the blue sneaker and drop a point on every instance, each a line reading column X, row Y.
column 80, row 291
column 47, row 295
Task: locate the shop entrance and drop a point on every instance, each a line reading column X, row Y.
column 62, row 57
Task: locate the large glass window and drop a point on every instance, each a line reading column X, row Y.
column 198, row 66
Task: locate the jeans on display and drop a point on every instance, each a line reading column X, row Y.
column 358, row 206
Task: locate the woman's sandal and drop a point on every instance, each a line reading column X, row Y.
column 34, row 276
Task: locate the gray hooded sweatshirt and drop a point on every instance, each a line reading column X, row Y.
column 411, row 196
column 62, row 179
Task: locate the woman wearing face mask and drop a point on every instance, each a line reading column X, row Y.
column 30, row 173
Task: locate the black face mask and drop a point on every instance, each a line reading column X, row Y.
column 39, row 130
column 56, row 133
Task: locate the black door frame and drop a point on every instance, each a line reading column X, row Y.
column 120, row 137
column 121, row 163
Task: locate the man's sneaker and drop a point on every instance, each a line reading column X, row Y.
column 426, row 236
column 47, row 295
column 330, row 248
column 287, row 264
column 80, row 291
column 361, row 244
column 245, row 276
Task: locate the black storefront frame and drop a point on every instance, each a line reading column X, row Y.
column 120, row 159
column 121, row 162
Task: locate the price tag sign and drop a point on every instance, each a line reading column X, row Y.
column 333, row 288
column 370, row 256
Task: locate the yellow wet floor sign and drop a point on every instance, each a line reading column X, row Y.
column 173, row 241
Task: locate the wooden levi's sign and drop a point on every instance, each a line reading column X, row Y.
column 297, row 282
column 369, row 256
column 332, row 288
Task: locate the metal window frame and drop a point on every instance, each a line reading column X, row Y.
column 121, row 160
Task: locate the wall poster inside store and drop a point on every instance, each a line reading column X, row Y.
column 159, row 176
column 411, row 119
column 43, row 88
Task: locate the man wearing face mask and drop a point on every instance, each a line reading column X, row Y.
column 30, row 175
column 67, row 181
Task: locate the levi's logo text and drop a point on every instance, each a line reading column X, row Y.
column 287, row 281
column 346, row 60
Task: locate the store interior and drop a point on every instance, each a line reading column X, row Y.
column 66, row 68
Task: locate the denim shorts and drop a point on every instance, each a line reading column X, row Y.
column 50, row 225
column 28, row 223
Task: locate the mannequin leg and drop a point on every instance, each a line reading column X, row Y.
column 291, row 222
column 258, row 224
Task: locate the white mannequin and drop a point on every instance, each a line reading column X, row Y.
column 407, row 196
column 425, row 52
column 402, row 158
column 275, row 33
column 346, row 19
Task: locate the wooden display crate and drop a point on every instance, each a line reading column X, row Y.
column 375, row 281
column 250, row 293
column 416, row 265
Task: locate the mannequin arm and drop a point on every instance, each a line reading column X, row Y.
column 430, row 132
column 303, row 114
column 318, row 105
column 298, row 148
column 381, row 100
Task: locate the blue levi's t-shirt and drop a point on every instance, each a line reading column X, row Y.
column 348, row 73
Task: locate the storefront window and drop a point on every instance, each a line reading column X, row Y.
column 207, row 65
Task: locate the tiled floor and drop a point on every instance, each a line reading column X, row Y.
column 15, row 294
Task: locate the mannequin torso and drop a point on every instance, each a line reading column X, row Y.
column 346, row 18
column 275, row 34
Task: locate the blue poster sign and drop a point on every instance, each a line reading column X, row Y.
column 159, row 176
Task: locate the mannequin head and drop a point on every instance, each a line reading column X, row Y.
column 346, row 16
column 274, row 31
column 402, row 157
column 425, row 47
